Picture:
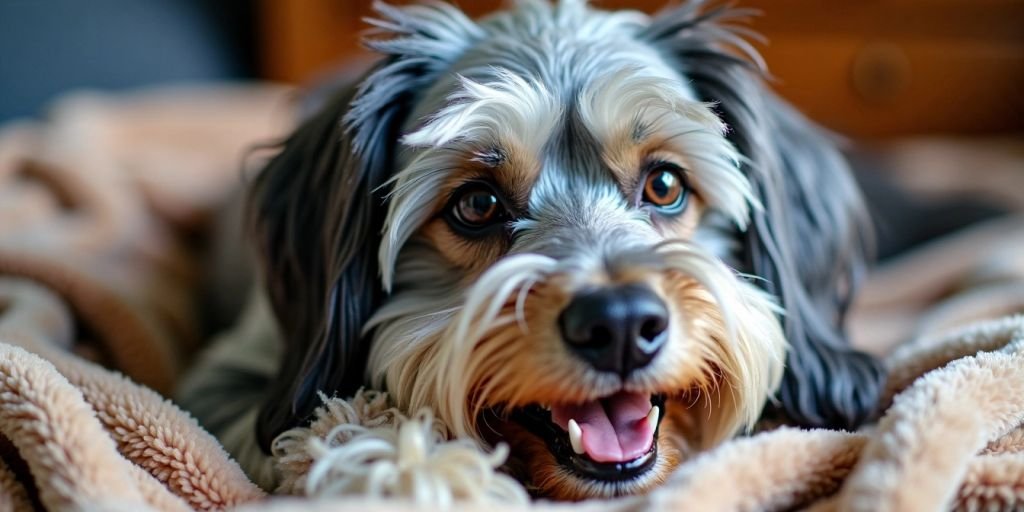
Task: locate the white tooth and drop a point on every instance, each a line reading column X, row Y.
column 576, row 437
column 652, row 417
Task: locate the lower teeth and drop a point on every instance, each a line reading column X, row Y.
column 576, row 437
column 654, row 416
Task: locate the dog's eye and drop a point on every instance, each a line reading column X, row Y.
column 665, row 188
column 476, row 206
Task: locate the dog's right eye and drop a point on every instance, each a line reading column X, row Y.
column 475, row 207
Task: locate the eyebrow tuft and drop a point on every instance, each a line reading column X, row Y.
column 491, row 157
column 641, row 130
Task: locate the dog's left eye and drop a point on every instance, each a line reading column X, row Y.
column 475, row 207
column 665, row 188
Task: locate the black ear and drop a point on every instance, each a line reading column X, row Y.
column 808, row 241
column 316, row 213
column 809, row 246
column 317, row 209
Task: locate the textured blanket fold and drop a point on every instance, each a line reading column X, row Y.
column 88, row 429
column 100, row 206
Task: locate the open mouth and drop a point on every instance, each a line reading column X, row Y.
column 609, row 439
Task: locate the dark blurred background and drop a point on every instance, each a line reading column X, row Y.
column 866, row 68
column 48, row 47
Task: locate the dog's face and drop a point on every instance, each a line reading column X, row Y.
column 565, row 242
column 551, row 249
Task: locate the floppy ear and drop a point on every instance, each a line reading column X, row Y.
column 313, row 210
column 317, row 209
column 808, row 241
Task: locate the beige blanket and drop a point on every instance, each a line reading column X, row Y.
column 100, row 209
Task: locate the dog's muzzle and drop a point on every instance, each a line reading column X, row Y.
column 616, row 329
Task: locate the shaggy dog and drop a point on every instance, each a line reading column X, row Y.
column 594, row 236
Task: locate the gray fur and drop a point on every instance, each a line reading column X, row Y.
column 319, row 207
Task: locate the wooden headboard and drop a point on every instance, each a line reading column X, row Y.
column 866, row 68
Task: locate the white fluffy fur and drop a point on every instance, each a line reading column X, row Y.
column 509, row 108
column 421, row 372
column 364, row 446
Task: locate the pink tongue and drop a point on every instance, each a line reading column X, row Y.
column 615, row 429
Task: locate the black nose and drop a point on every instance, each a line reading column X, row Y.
column 616, row 329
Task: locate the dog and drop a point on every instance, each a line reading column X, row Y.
column 595, row 236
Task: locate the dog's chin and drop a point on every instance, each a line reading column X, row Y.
column 608, row 447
